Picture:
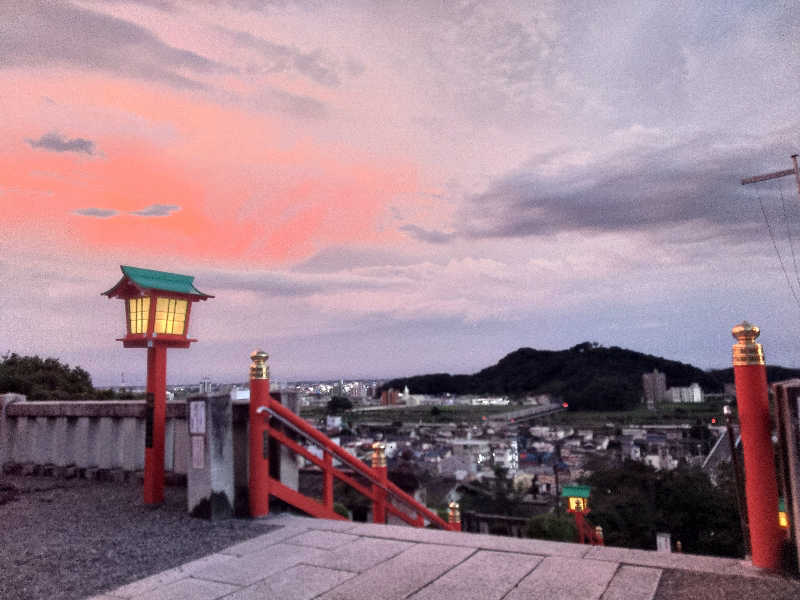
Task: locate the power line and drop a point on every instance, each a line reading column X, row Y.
column 789, row 235
column 777, row 251
column 795, row 170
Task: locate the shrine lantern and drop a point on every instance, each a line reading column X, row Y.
column 157, row 309
column 577, row 498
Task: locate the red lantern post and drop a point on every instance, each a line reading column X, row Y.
column 761, row 486
column 157, row 309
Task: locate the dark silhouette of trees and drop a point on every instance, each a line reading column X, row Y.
column 587, row 376
column 43, row 378
column 339, row 404
column 633, row 502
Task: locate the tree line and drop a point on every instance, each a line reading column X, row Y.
column 50, row 379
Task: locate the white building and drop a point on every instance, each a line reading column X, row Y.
column 686, row 395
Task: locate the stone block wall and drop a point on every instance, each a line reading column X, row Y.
column 87, row 434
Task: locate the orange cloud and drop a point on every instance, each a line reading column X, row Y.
column 249, row 188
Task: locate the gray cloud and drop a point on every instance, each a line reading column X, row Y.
column 101, row 213
column 156, row 210
column 47, row 33
column 163, row 5
column 55, row 142
column 288, row 284
column 280, row 58
column 427, row 235
column 696, row 183
column 343, row 258
column 300, row 106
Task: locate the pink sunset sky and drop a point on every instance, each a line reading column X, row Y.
column 382, row 189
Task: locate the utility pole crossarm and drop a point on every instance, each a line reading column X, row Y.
column 767, row 176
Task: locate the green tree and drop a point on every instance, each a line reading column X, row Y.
column 495, row 496
column 43, row 379
column 633, row 502
column 339, row 404
column 552, row 526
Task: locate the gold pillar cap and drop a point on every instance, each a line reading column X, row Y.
column 378, row 454
column 747, row 351
column 258, row 366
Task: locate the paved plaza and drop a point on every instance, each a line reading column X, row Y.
column 308, row 558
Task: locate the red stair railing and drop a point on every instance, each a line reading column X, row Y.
column 586, row 533
column 381, row 490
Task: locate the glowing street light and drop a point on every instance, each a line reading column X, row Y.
column 157, row 309
column 577, row 498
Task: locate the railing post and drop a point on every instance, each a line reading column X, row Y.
column 382, row 473
column 761, row 486
column 580, row 524
column 598, row 536
column 454, row 516
column 259, row 443
column 327, row 480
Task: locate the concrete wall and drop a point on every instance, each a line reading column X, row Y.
column 86, row 434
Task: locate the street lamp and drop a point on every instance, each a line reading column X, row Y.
column 578, row 504
column 577, row 498
column 157, row 309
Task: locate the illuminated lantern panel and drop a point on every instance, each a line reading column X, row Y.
column 577, row 497
column 577, row 504
column 170, row 315
column 783, row 519
column 157, row 306
column 138, row 313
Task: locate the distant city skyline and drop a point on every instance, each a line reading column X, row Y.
column 381, row 190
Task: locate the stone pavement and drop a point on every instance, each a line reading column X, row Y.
column 336, row 560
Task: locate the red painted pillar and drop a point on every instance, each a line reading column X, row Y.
column 379, row 466
column 761, row 486
column 155, row 418
column 259, row 443
column 327, row 480
column 580, row 525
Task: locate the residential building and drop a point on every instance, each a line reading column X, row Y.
column 654, row 385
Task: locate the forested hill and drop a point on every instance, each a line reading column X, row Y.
column 588, row 376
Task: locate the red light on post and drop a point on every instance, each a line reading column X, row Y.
column 565, row 405
column 713, row 421
column 157, row 308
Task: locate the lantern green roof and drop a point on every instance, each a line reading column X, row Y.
column 148, row 279
column 575, row 491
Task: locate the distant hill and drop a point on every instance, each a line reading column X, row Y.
column 774, row 373
column 588, row 376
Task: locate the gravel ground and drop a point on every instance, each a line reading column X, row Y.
column 68, row 539
column 685, row 585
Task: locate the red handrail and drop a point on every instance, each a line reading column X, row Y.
column 295, row 422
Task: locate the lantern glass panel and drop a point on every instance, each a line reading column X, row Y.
column 577, row 504
column 138, row 313
column 783, row 520
column 170, row 315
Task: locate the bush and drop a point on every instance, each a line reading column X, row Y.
column 341, row 509
column 552, row 526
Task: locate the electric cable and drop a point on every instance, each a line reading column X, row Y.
column 777, row 251
column 789, row 235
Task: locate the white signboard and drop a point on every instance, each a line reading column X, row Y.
column 198, row 452
column 197, row 417
column 663, row 542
